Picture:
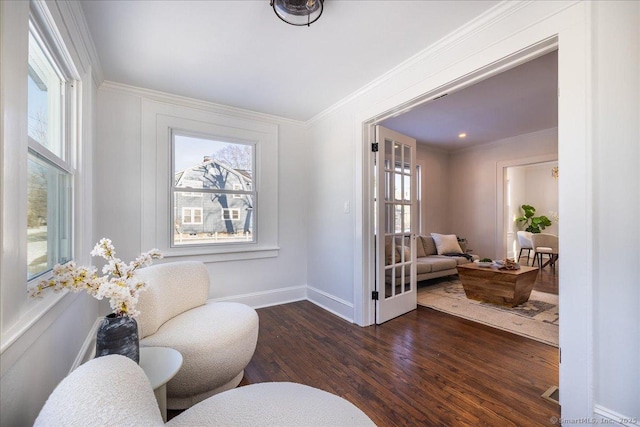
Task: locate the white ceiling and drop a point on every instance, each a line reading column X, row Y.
column 239, row 53
column 518, row 101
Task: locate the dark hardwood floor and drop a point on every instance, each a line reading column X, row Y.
column 547, row 280
column 425, row 368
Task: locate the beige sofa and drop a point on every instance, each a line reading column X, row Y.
column 430, row 265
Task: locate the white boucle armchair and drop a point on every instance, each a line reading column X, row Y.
column 114, row 391
column 216, row 339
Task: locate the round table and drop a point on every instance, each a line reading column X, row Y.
column 160, row 364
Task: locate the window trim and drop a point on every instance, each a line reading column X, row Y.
column 161, row 114
column 23, row 320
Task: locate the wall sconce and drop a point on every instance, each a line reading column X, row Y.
column 554, row 172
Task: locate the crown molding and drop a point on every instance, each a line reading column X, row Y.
column 88, row 46
column 73, row 20
column 197, row 104
column 497, row 13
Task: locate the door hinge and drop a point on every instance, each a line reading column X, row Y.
column 374, row 295
column 374, row 147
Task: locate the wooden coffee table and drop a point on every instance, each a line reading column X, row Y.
column 504, row 287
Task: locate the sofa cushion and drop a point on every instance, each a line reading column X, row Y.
column 428, row 245
column 446, row 243
column 423, row 267
column 439, row 263
column 458, row 259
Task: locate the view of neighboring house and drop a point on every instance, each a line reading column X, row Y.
column 203, row 215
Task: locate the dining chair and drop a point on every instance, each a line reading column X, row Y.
column 524, row 240
column 544, row 243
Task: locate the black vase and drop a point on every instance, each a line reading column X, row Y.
column 118, row 335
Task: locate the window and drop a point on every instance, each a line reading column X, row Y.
column 192, row 215
column 50, row 94
column 230, row 214
column 220, row 173
column 237, row 187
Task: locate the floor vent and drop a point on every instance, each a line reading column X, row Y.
column 552, row 394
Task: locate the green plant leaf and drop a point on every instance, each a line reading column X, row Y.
column 529, row 211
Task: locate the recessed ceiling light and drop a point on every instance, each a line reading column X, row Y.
column 462, row 135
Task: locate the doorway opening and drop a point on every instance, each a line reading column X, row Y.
column 468, row 170
column 493, row 246
column 532, row 184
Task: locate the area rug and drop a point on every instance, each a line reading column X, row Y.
column 537, row 318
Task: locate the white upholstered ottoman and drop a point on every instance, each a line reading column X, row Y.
column 114, row 391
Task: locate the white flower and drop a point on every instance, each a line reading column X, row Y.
column 104, row 248
column 118, row 284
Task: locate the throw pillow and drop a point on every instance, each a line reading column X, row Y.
column 446, row 243
column 420, row 253
column 399, row 253
column 428, row 245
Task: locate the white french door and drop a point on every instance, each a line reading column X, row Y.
column 396, row 224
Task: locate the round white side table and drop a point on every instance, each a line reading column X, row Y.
column 160, row 364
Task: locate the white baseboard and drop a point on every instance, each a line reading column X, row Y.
column 269, row 298
column 88, row 349
column 604, row 415
column 331, row 303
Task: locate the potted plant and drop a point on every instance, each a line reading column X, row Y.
column 535, row 224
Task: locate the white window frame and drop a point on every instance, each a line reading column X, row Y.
column 163, row 115
column 24, row 319
column 191, row 215
column 234, row 214
column 62, row 123
column 235, row 193
column 191, row 184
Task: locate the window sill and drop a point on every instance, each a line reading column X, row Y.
column 206, row 255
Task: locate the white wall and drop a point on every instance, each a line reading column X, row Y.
column 579, row 26
column 40, row 339
column 473, row 206
column 541, row 192
column 330, row 231
column 121, row 177
column 616, row 182
column 435, row 190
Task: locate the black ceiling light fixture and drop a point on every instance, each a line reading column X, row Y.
column 298, row 12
